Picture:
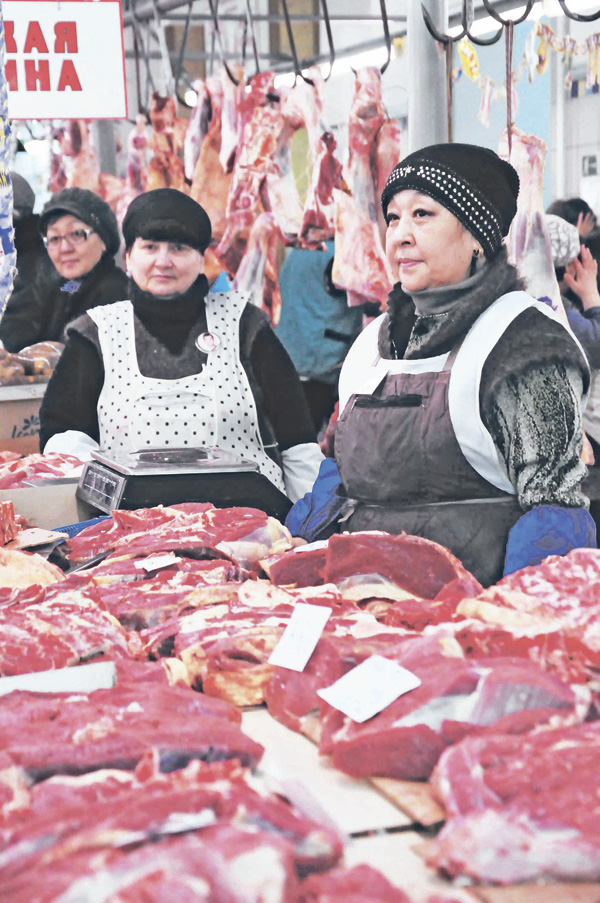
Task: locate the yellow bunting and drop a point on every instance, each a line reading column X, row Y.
column 468, row 59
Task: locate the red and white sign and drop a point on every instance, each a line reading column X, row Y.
column 64, row 59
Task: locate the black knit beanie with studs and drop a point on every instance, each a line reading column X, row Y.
column 472, row 182
column 166, row 214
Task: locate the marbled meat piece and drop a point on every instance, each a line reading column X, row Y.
column 521, row 808
column 355, row 885
column 52, row 733
column 9, row 529
column 455, row 698
column 67, row 815
column 296, row 567
column 57, row 628
column 22, row 569
column 222, row 863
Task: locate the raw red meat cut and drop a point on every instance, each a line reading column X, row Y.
column 66, row 816
column 38, row 467
column 360, row 265
column 61, row 627
column 521, row 808
column 9, row 529
column 355, row 885
column 419, row 566
column 257, row 270
column 296, row 567
column 114, row 728
column 455, row 698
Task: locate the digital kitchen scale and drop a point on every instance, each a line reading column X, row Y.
column 168, row 476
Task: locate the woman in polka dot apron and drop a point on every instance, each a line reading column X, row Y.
column 462, row 405
column 175, row 365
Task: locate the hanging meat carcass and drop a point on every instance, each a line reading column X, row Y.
column 210, row 183
column 58, row 175
column 197, row 127
column 528, row 240
column 245, row 203
column 360, row 265
column 77, row 145
column 165, row 169
column 319, row 208
column 136, row 178
column 257, row 272
column 231, row 131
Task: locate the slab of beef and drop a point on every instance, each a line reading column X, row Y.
column 223, row 863
column 56, row 627
column 355, row 885
column 65, row 816
column 456, row 698
column 292, row 695
column 141, row 596
column 420, row 567
column 14, row 474
column 560, row 594
column 243, row 535
column 22, row 569
column 521, row 808
column 9, row 529
column 296, row 567
column 55, row 733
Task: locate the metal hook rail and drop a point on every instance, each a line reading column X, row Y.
column 386, row 32
column 250, row 25
column 329, row 37
column 467, row 21
column 579, row 17
column 290, row 34
column 215, row 18
column 179, row 70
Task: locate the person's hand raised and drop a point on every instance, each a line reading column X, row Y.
column 586, row 223
column 581, row 277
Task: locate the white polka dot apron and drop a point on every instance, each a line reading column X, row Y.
column 213, row 408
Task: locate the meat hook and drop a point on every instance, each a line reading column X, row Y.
column 215, row 18
column 386, row 32
column 250, row 24
column 579, row 17
column 288, row 25
column 467, row 21
column 184, row 38
column 496, row 15
column 329, row 37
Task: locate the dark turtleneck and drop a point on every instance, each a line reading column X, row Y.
column 165, row 331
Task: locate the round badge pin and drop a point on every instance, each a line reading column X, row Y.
column 207, row 342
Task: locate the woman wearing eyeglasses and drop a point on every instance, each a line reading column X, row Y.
column 82, row 237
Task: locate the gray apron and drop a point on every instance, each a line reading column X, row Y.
column 401, row 462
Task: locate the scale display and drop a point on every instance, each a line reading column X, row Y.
column 169, row 476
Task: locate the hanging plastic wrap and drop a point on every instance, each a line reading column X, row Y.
column 8, row 255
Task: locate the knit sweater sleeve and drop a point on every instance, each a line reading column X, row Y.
column 71, row 399
column 535, row 423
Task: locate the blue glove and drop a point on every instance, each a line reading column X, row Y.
column 315, row 515
column 548, row 530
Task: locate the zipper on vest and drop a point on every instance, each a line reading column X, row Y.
column 391, row 401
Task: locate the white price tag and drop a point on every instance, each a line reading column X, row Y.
column 369, row 688
column 157, row 562
column 300, row 637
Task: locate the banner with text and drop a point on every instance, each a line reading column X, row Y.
column 64, row 59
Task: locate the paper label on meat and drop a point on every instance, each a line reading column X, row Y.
column 157, row 562
column 369, row 688
column 301, row 636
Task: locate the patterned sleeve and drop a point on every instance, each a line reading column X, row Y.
column 535, row 423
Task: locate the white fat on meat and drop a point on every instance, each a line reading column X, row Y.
column 475, row 708
column 510, row 848
column 364, row 586
column 258, row 875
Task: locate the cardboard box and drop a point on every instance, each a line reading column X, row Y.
column 20, row 417
column 49, row 506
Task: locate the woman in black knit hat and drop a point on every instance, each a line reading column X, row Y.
column 177, row 366
column 460, row 406
column 82, row 238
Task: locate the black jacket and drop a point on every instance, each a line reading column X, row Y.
column 43, row 302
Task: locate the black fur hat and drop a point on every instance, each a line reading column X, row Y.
column 166, row 214
column 472, row 182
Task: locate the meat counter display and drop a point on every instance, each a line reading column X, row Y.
column 208, row 760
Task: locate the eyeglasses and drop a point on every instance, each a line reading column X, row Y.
column 76, row 237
